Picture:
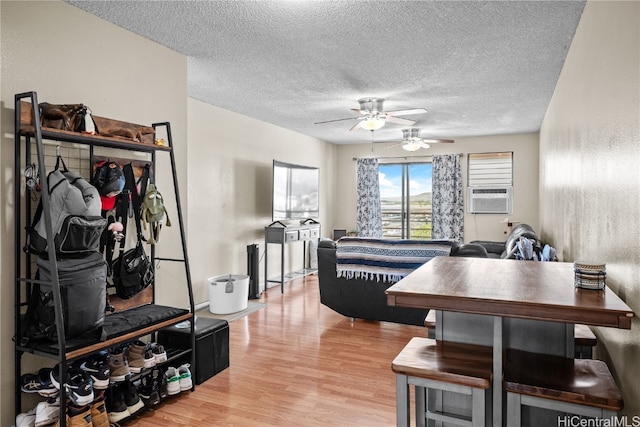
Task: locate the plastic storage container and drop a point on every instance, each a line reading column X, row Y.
column 228, row 293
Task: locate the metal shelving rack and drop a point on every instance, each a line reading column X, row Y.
column 29, row 130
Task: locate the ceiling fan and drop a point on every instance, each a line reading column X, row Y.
column 373, row 117
column 411, row 140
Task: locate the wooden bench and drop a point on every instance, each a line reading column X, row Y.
column 585, row 339
column 574, row 386
column 436, row 367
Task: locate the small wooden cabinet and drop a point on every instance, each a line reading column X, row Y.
column 283, row 234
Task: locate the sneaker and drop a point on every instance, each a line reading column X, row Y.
column 116, row 408
column 47, row 412
column 149, row 357
column 159, row 353
column 148, row 389
column 173, row 381
column 98, row 369
column 132, row 400
column 27, row 419
column 118, row 367
column 99, row 416
column 161, row 381
column 77, row 416
column 139, row 358
column 79, row 388
column 38, row 383
column 185, row 377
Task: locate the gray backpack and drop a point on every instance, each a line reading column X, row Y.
column 75, row 208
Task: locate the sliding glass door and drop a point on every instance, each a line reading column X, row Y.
column 405, row 199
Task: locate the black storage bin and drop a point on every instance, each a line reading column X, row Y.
column 212, row 345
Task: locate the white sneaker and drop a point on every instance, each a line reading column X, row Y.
column 173, row 381
column 47, row 412
column 27, row 419
column 185, row 377
column 160, row 355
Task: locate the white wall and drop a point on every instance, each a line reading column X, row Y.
column 476, row 226
column 69, row 56
column 590, row 169
column 230, row 174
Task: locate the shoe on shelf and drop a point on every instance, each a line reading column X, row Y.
column 79, row 388
column 138, row 357
column 38, row 383
column 149, row 357
column 98, row 369
column 26, row 419
column 161, row 382
column 159, row 353
column 148, row 389
column 99, row 416
column 132, row 400
column 185, row 377
column 47, row 412
column 173, row 381
column 78, row 416
column 118, row 367
column 116, row 408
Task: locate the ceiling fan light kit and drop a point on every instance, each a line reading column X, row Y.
column 373, row 117
column 414, row 146
column 372, row 123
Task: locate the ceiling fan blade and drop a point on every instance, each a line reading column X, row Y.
column 406, row 112
column 357, row 125
column 399, row 121
column 438, row 141
column 359, row 111
column 336, row 120
column 394, row 145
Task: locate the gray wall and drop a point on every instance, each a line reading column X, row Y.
column 590, row 169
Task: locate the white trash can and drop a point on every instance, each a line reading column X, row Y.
column 228, row 293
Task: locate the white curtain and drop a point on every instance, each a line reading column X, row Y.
column 369, row 217
column 447, row 203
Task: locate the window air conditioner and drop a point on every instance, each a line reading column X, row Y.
column 490, row 200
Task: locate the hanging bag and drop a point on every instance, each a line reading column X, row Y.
column 153, row 213
column 132, row 270
column 76, row 223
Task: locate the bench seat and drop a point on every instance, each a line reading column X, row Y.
column 576, row 386
column 442, row 366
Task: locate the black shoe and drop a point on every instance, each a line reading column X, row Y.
column 98, row 369
column 116, row 407
column 78, row 386
column 39, row 383
column 148, row 390
column 131, row 399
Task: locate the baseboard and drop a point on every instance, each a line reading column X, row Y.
column 205, row 304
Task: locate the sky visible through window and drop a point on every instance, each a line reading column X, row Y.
column 390, row 177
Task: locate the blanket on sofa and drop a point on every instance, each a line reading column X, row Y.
column 384, row 259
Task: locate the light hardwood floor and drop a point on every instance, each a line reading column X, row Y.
column 296, row 363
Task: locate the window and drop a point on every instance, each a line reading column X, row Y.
column 405, row 200
column 490, row 169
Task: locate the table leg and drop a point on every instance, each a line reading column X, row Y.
column 497, row 371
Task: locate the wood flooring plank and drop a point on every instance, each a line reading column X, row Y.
column 295, row 363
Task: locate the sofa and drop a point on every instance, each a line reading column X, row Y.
column 508, row 249
column 354, row 274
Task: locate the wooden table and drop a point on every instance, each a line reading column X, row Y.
column 525, row 305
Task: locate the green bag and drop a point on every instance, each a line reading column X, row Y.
column 153, row 213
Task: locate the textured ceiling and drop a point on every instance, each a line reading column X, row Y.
column 478, row 67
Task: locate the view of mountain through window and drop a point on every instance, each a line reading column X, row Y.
column 405, row 199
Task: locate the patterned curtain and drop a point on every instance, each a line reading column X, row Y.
column 369, row 215
column 447, row 203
